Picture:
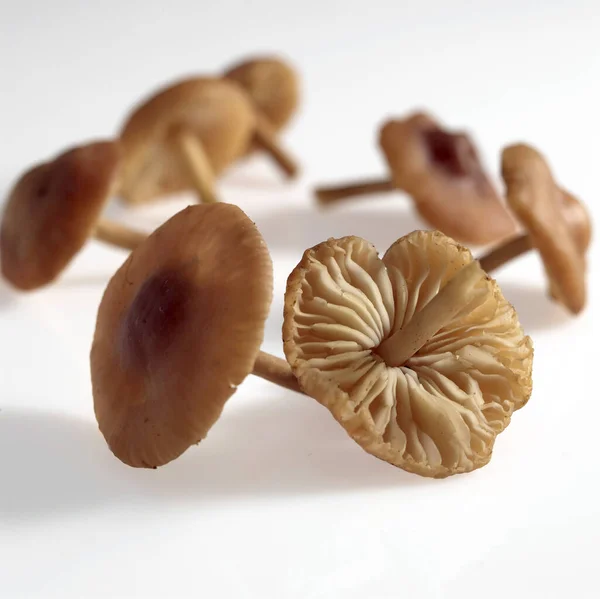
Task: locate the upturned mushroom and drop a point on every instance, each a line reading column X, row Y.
column 54, row 208
column 179, row 328
column 556, row 224
column 417, row 354
column 273, row 86
column 442, row 173
column 188, row 133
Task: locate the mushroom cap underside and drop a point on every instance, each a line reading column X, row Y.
column 438, row 413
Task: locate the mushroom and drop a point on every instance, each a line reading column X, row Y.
column 557, row 225
column 54, row 208
column 417, row 354
column 272, row 85
column 178, row 329
column 442, row 173
column 188, row 133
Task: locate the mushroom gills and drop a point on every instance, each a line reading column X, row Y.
column 438, row 412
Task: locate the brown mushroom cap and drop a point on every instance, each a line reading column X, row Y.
column 216, row 110
column 443, row 174
column 579, row 221
column 437, row 413
column 52, row 211
column 273, row 86
column 543, row 209
column 179, row 328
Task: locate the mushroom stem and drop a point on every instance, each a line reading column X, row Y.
column 328, row 195
column 397, row 349
column 265, row 137
column 119, row 235
column 276, row 371
column 199, row 167
column 506, row 252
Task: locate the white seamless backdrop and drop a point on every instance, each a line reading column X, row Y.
column 278, row 502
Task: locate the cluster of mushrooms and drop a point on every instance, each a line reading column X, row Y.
column 417, row 353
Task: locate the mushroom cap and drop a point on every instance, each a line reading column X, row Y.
column 52, row 210
column 443, row 174
column 218, row 111
column 579, row 221
column 440, row 411
column 179, row 328
column 273, row 86
column 543, row 209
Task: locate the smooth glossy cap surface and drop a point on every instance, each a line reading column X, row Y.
column 579, row 221
column 442, row 172
column 546, row 212
column 53, row 210
column 178, row 329
column 273, row 86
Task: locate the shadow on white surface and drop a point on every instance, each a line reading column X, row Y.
column 81, row 280
column 536, row 310
column 8, row 295
column 295, row 228
column 52, row 464
column 273, row 325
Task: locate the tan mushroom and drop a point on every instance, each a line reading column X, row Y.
column 54, row 208
column 578, row 221
column 443, row 174
column 557, row 225
column 179, row 328
column 273, row 86
column 187, row 134
column 416, row 354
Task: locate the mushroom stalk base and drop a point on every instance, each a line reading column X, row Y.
column 329, row 195
column 457, row 293
column 506, row 252
column 119, row 235
column 266, row 139
column 276, row 371
column 198, row 165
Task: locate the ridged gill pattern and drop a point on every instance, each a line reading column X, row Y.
column 438, row 413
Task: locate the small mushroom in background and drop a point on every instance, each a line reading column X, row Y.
column 179, row 328
column 187, row 134
column 54, row 208
column 273, row 86
column 557, row 225
column 417, row 354
column 443, row 174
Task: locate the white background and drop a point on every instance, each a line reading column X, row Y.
column 278, row 502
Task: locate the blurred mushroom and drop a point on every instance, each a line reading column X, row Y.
column 557, row 225
column 187, row 134
column 54, row 208
column 179, row 328
column 272, row 85
column 578, row 221
column 417, row 355
column 442, row 173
